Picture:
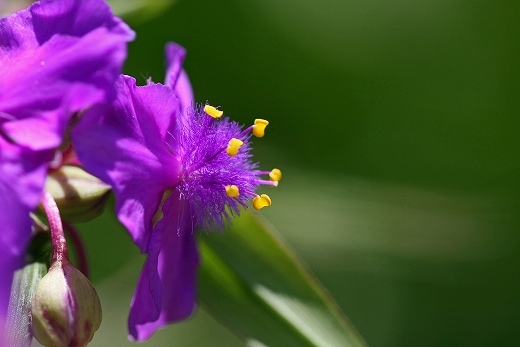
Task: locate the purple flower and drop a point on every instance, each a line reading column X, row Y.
column 57, row 58
column 173, row 167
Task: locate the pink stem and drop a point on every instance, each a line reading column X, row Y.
column 59, row 244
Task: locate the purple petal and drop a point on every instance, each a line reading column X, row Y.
column 175, row 55
column 166, row 289
column 21, row 184
column 184, row 92
column 75, row 18
column 176, row 77
column 125, row 146
column 63, row 56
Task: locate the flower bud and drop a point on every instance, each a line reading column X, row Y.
column 79, row 195
column 66, row 311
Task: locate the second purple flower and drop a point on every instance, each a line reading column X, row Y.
column 173, row 167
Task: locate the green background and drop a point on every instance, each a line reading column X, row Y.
column 396, row 126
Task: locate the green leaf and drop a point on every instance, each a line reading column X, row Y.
column 18, row 332
column 138, row 11
column 256, row 285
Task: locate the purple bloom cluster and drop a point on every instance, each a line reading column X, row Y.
column 173, row 166
column 57, row 58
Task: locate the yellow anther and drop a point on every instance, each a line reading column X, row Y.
column 213, row 112
column 275, row 175
column 232, row 191
column 261, row 201
column 259, row 128
column 233, row 146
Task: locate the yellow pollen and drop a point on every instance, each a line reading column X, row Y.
column 261, row 201
column 232, row 191
column 213, row 112
column 259, row 128
column 275, row 175
column 233, row 146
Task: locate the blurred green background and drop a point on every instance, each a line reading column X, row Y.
column 396, row 126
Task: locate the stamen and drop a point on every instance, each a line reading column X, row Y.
column 259, row 128
column 213, row 112
column 261, row 201
column 243, row 133
column 233, row 146
column 232, row 191
column 268, row 183
column 275, row 175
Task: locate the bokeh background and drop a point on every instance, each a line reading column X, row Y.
column 395, row 123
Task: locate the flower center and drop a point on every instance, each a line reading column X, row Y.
column 218, row 175
column 232, row 149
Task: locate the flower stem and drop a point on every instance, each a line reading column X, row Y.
column 59, row 243
column 79, row 247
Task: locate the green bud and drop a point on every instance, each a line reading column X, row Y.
column 66, row 311
column 79, row 195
